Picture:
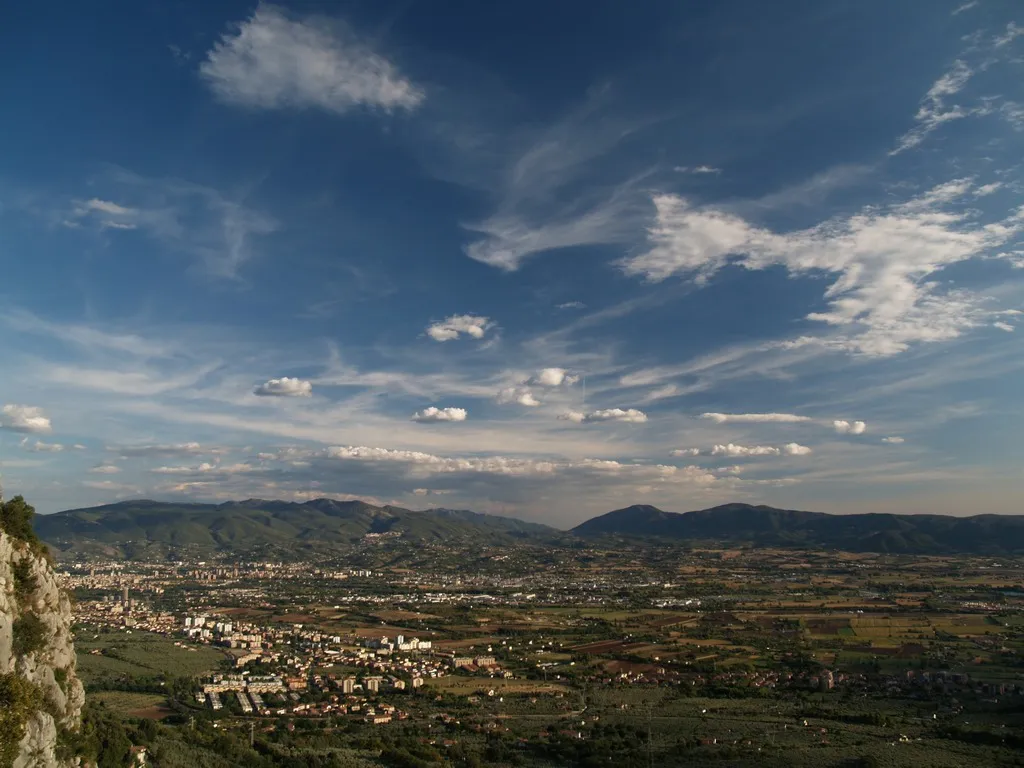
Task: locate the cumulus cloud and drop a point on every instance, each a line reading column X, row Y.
column 205, row 468
column 520, row 395
column 795, row 449
column 285, row 387
column 881, row 259
column 452, row 327
column 754, row 418
column 105, row 469
column 737, row 451
column 1003, row 326
column 730, row 449
column 844, row 427
column 686, row 452
column 892, row 440
column 628, row 415
column 271, row 61
column 432, row 414
column 424, row 464
column 24, row 418
column 553, row 377
column 40, row 447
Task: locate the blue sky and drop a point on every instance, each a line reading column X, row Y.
column 528, row 259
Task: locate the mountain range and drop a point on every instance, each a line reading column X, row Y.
column 154, row 528
column 762, row 526
column 136, row 528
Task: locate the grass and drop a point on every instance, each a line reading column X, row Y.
column 467, row 686
column 140, row 654
column 146, row 705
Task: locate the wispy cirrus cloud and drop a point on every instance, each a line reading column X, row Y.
column 882, row 259
column 935, row 109
column 546, row 198
column 272, row 61
column 755, row 418
column 215, row 229
column 40, row 447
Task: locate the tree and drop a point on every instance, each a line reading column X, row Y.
column 16, row 520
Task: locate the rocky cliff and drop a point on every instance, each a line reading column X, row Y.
column 41, row 698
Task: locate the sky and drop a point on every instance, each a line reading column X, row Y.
column 532, row 259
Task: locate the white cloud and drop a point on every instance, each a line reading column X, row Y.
column 24, row 418
column 174, row 449
column 1003, row 326
column 433, row 414
column 965, row 7
column 206, row 468
column 1011, row 34
column 425, row 464
column 844, row 427
column 628, row 415
column 730, row 449
column 735, row 451
column 933, row 111
column 892, row 440
column 881, row 258
column 686, row 452
column 284, row 387
column 520, row 395
column 183, row 217
column 40, row 447
column 754, row 418
column 105, row 469
column 697, row 169
column 571, row 305
column 546, row 195
column 109, row 215
column 452, row 327
column 273, row 62
column 553, row 377
column 795, row 449
column 429, row 492
column 988, row 189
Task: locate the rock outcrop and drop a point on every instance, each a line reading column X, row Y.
column 44, row 697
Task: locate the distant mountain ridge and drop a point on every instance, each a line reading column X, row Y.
column 153, row 528
column 763, row 526
column 132, row 528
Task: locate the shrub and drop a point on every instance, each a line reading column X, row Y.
column 24, row 581
column 19, row 699
column 29, row 634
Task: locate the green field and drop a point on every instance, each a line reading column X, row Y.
column 107, row 655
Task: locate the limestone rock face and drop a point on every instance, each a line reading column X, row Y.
column 50, row 666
